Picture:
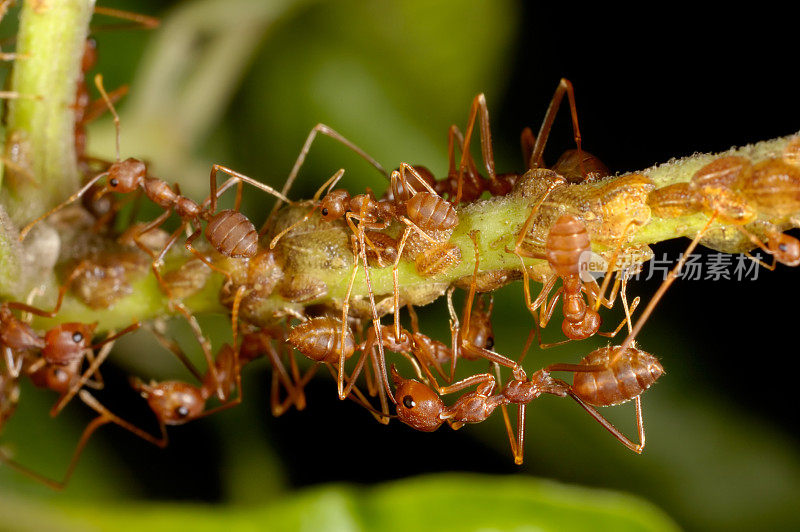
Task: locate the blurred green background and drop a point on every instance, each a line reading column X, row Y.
column 241, row 82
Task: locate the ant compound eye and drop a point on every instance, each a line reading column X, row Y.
column 408, row 402
column 490, row 342
column 783, row 247
column 324, row 211
column 77, row 337
column 182, row 411
column 114, row 182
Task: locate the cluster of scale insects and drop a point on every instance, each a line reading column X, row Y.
column 572, row 206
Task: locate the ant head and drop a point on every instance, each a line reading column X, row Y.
column 125, row 176
column 334, row 205
column 785, row 248
column 417, row 405
column 54, row 377
column 65, row 343
column 173, row 402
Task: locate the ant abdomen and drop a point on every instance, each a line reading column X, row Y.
column 566, row 242
column 431, row 212
column 232, row 234
column 626, row 376
column 320, row 339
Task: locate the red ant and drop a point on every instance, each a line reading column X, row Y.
column 600, row 380
column 574, row 165
column 320, row 340
column 565, row 249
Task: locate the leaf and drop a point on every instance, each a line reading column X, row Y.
column 442, row 502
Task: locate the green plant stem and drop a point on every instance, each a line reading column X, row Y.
column 321, row 252
column 40, row 135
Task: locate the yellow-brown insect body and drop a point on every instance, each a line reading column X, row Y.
column 671, row 201
column 625, row 377
column 566, row 242
column 773, row 187
column 438, row 259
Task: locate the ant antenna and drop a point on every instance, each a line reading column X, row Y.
column 98, row 81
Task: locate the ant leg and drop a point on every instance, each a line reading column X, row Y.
column 541, row 299
column 611, row 266
column 635, row 447
column 325, row 130
column 518, row 445
column 360, row 399
column 484, row 381
column 158, row 222
column 478, row 105
column 375, row 318
column 345, row 309
column 529, row 222
column 89, row 184
column 626, row 320
column 189, row 247
column 205, row 346
column 673, row 274
column 379, row 365
column 564, row 86
column 237, row 366
column 489, row 355
column 401, row 175
column 548, row 307
column 140, row 21
column 455, row 334
column 453, row 135
column 279, row 375
column 527, row 142
column 329, row 184
column 62, row 291
column 159, row 258
column 93, row 368
column 104, row 417
column 98, row 107
column 396, row 281
column 235, row 176
column 473, row 235
column 172, row 346
column 13, row 367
